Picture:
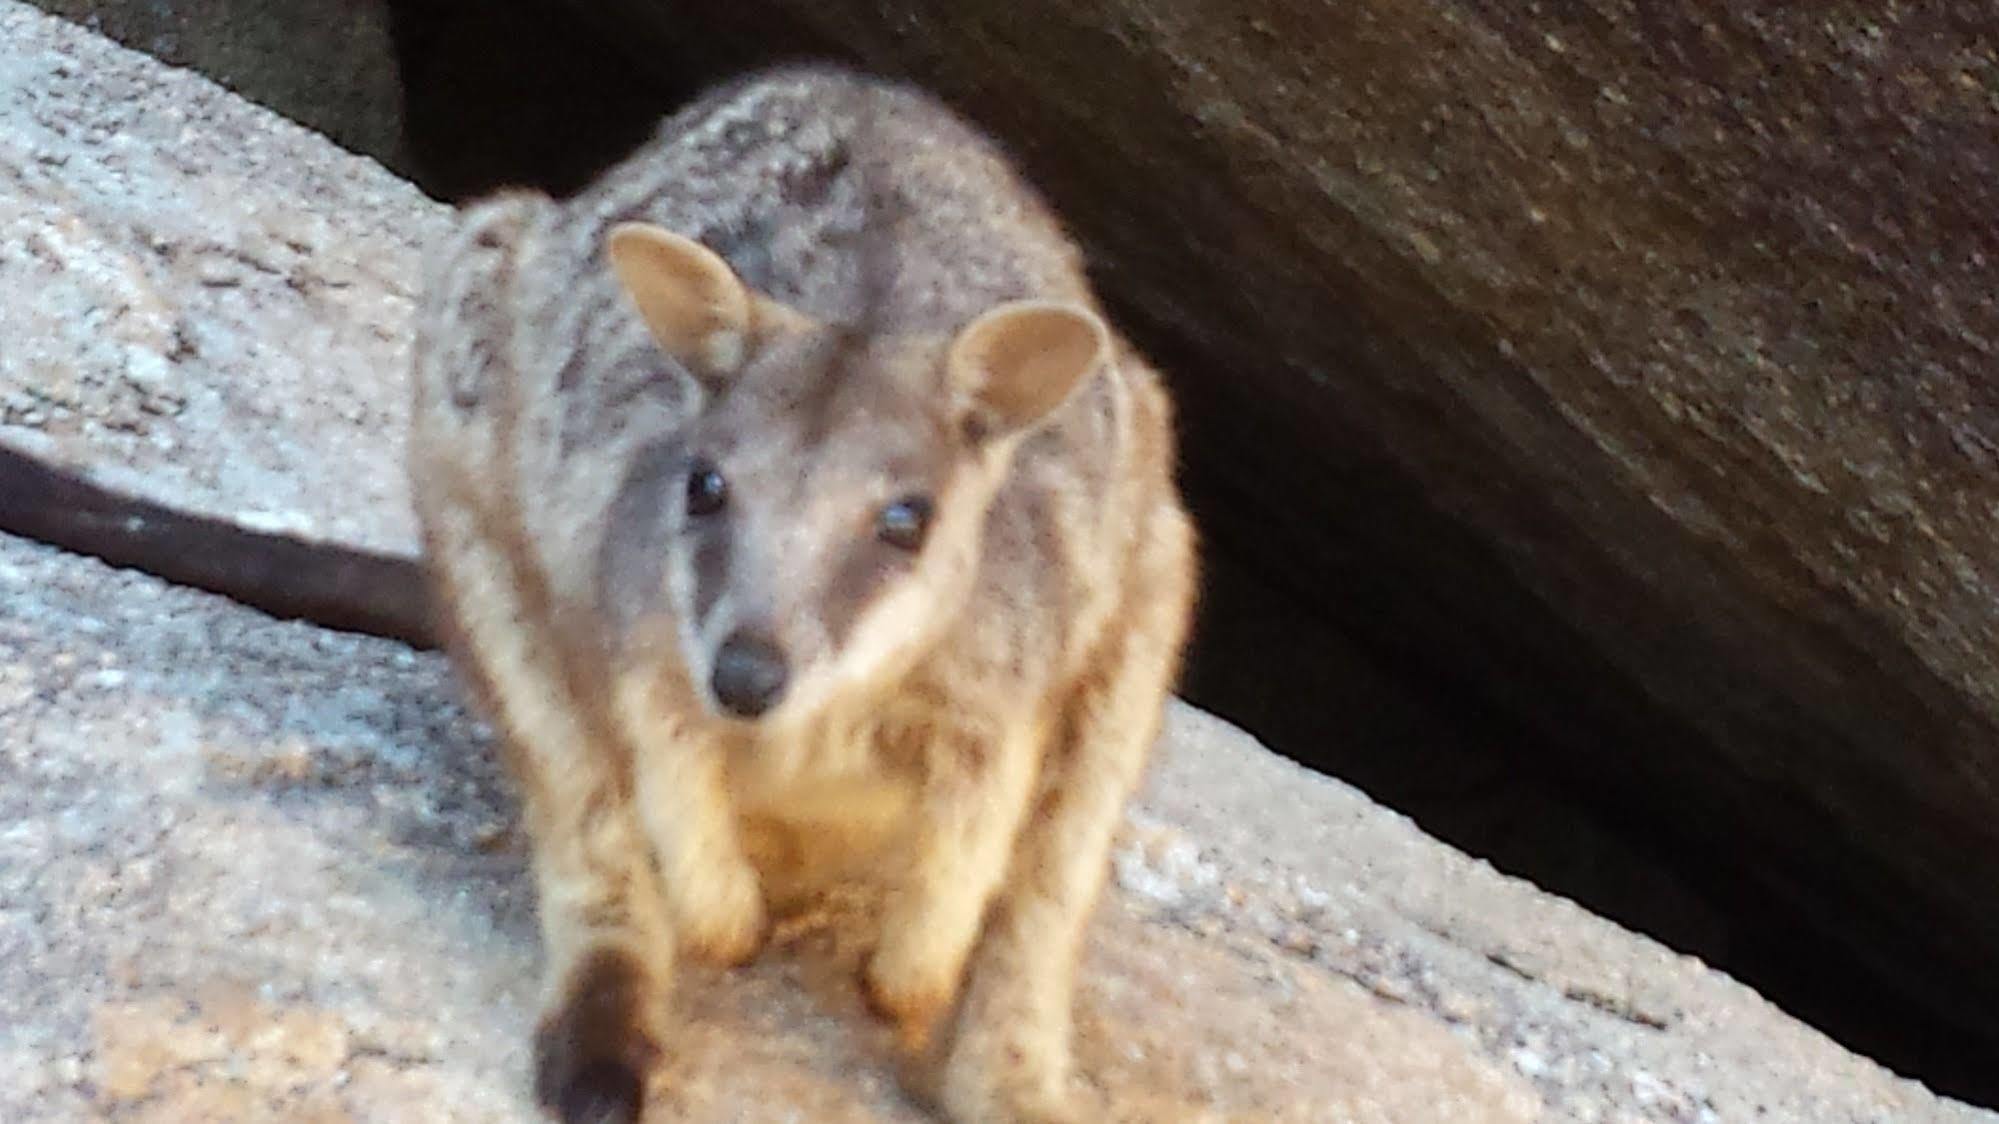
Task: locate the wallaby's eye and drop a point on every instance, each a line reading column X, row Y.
column 902, row 523
column 707, row 490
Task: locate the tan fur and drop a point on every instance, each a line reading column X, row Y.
column 838, row 296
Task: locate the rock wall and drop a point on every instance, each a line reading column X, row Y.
column 327, row 63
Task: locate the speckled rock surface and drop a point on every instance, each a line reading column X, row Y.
column 185, row 281
column 326, row 63
column 258, row 871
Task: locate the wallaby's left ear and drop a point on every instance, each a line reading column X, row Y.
column 1016, row 363
column 696, row 307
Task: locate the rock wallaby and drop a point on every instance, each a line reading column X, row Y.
column 793, row 513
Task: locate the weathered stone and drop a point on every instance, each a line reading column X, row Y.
column 327, row 63
column 128, row 189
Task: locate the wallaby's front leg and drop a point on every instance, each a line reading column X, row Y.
column 974, row 797
column 1008, row 1059
column 606, row 936
column 682, row 791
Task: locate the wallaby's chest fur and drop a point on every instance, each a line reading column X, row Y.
column 790, row 503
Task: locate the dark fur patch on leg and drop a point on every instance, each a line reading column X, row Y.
column 592, row 1053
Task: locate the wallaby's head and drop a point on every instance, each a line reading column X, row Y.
column 816, row 522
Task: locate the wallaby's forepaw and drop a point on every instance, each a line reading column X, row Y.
column 723, row 916
column 899, row 992
column 1001, row 1105
column 594, row 1051
column 993, row 1079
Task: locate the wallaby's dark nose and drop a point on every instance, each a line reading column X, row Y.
column 749, row 675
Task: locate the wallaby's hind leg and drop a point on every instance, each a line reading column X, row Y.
column 606, row 937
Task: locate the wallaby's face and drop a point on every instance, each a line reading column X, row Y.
column 829, row 518
column 824, row 505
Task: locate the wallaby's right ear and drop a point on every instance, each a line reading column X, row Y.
column 694, row 304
